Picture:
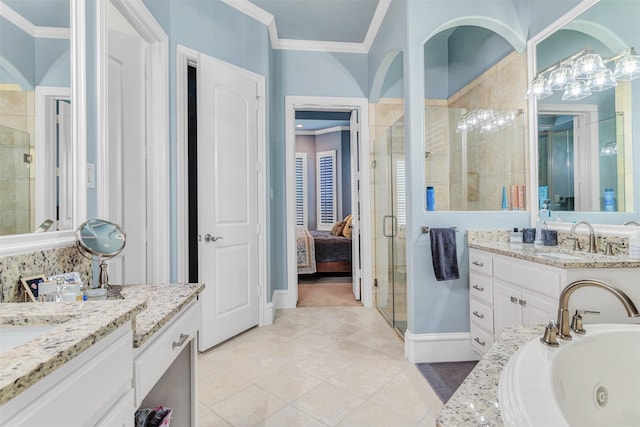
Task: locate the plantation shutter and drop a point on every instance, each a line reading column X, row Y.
column 326, row 189
column 301, row 190
column 401, row 192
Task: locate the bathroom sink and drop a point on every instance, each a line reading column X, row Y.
column 559, row 255
column 589, row 381
column 13, row 336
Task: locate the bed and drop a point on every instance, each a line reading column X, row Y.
column 322, row 252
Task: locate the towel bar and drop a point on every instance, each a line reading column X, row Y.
column 426, row 229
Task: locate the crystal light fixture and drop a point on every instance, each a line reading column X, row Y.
column 539, row 88
column 602, row 80
column 561, row 77
column 609, row 149
column 628, row 66
column 486, row 120
column 584, row 72
column 576, row 90
column 588, row 64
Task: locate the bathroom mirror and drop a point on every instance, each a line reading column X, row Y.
column 35, row 121
column 42, row 64
column 586, row 145
column 475, row 138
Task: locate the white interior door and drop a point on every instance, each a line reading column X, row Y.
column 228, row 108
column 126, row 154
column 356, row 267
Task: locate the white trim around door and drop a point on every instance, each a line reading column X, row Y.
column 288, row 298
column 156, row 128
column 185, row 57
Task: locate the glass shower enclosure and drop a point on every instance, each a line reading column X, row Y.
column 390, row 219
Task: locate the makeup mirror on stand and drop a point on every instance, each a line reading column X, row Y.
column 104, row 240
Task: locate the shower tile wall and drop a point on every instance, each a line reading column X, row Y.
column 17, row 118
column 492, row 159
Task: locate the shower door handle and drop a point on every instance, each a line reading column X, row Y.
column 394, row 231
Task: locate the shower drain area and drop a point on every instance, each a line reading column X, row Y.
column 601, row 396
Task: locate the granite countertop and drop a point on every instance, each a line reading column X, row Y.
column 475, row 403
column 529, row 252
column 78, row 325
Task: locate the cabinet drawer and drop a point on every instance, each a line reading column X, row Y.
column 480, row 340
column 481, row 287
column 154, row 360
column 481, row 314
column 536, row 277
column 480, row 261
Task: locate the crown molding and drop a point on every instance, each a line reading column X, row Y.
column 34, row 31
column 261, row 15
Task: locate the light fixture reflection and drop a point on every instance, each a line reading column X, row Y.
column 584, row 72
column 609, row 149
column 576, row 90
column 628, row 66
column 486, row 120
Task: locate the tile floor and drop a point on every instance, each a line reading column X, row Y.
column 334, row 366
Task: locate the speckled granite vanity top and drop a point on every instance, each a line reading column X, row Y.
column 529, row 252
column 78, row 325
column 475, row 403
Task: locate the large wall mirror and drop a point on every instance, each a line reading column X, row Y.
column 475, row 140
column 587, row 128
column 42, row 149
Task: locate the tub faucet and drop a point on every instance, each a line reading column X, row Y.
column 563, row 304
column 632, row 223
column 592, row 235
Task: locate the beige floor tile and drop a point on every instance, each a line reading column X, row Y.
column 220, row 385
column 369, row 415
column 328, row 403
column 359, row 381
column 290, row 417
column 289, row 384
column 406, row 396
column 248, row 407
column 314, row 367
column 208, row 418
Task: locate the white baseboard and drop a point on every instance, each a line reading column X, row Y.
column 433, row 348
column 269, row 314
column 281, row 299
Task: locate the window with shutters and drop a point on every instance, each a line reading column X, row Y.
column 301, row 190
column 401, row 192
column 326, row 189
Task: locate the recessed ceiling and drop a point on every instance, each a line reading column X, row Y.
column 321, row 20
column 42, row 13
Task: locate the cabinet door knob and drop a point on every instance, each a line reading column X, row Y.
column 183, row 338
column 478, row 263
column 478, row 315
column 514, row 300
column 478, row 288
column 479, row 341
column 522, row 302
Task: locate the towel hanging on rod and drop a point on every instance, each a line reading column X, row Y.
column 426, row 229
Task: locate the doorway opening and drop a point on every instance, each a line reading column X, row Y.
column 327, row 204
column 323, row 205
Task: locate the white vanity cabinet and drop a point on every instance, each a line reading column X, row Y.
column 165, row 367
column 508, row 291
column 93, row 388
column 481, row 299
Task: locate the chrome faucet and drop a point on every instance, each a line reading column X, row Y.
column 632, row 223
column 592, row 236
column 563, row 304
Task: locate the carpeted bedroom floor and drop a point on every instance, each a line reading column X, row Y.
column 326, row 293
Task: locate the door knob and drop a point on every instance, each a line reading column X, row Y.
column 209, row 238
